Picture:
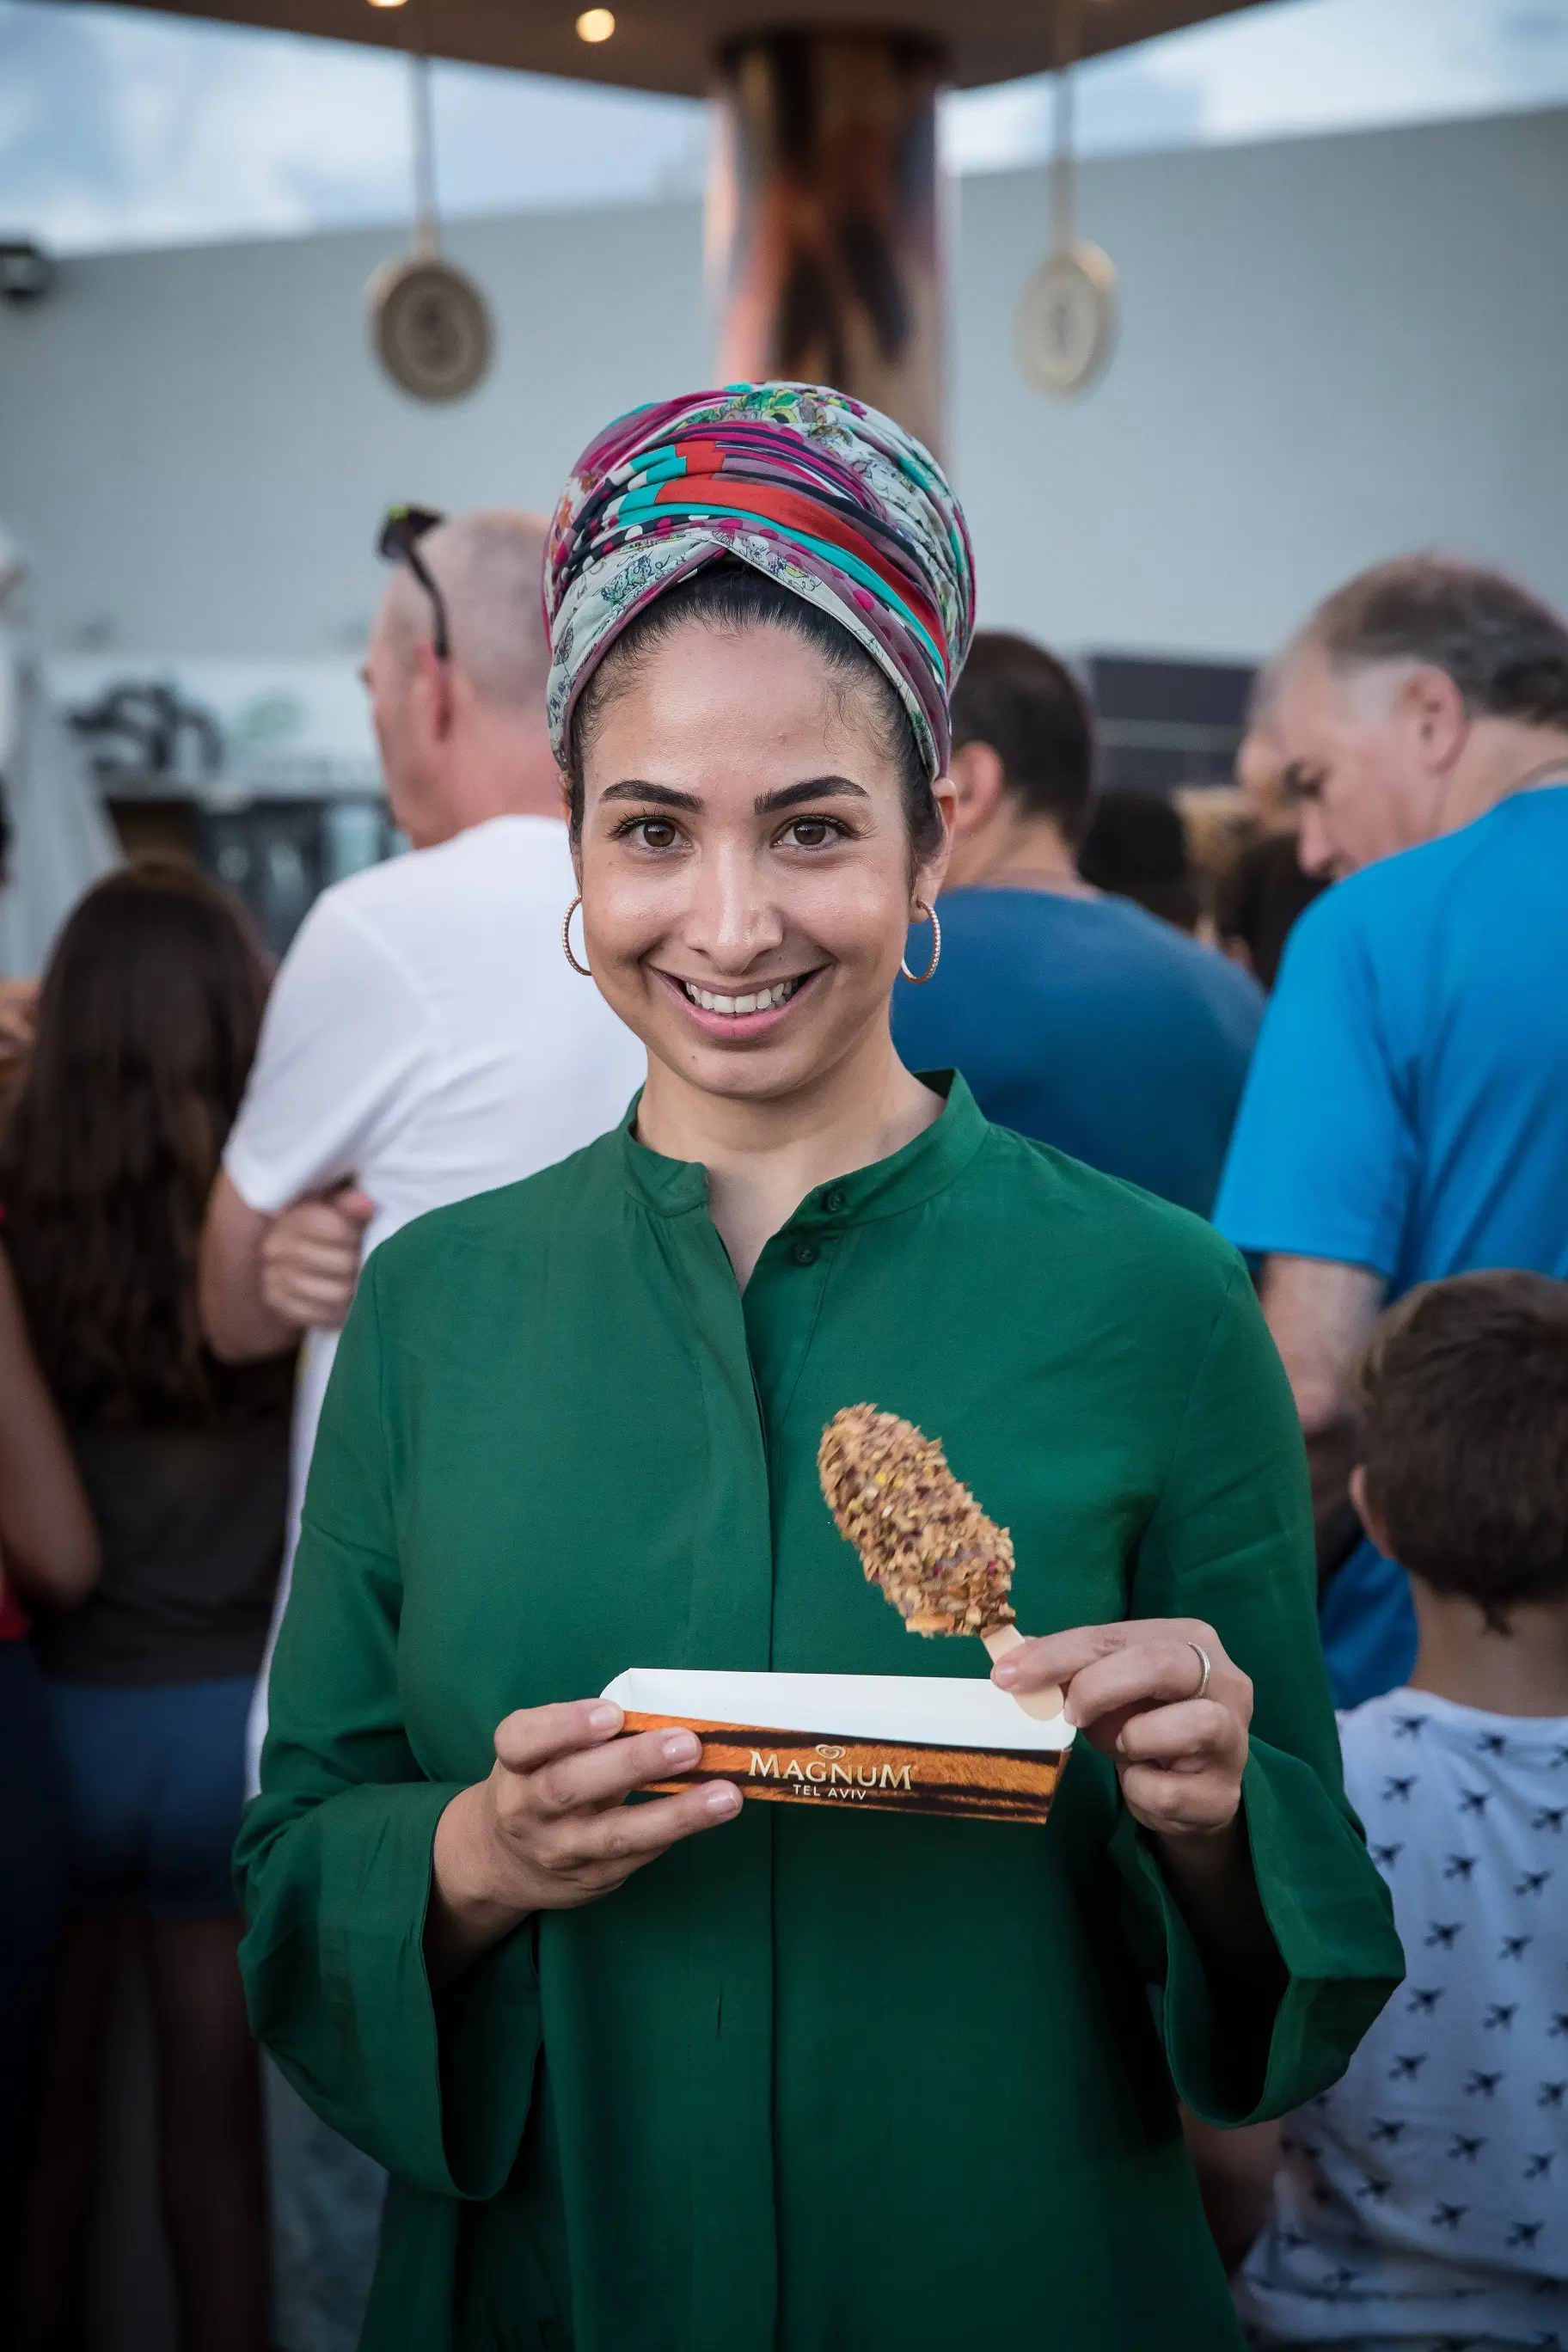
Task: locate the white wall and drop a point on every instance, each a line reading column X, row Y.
column 198, row 445
column 1332, row 348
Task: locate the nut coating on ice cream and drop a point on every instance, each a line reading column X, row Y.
column 920, row 1533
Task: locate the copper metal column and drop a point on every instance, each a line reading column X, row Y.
column 824, row 219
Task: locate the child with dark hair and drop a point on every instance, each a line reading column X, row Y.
column 1421, row 2203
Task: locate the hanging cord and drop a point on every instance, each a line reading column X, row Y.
column 427, row 227
column 1064, row 227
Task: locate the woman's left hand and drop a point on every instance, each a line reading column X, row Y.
column 1132, row 1690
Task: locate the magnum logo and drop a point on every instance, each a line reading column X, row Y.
column 879, row 1776
column 858, row 1779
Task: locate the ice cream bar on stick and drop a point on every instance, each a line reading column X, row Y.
column 922, row 1535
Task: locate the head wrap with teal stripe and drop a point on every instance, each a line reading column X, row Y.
column 827, row 496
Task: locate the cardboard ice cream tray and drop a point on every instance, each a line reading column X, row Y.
column 882, row 1743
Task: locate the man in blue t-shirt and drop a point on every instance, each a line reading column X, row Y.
column 1407, row 1112
column 1075, row 1017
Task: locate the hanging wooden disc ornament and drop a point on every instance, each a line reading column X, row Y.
column 431, row 326
column 1067, row 320
column 429, row 323
column 1066, row 327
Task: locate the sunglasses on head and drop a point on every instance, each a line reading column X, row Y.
column 401, row 533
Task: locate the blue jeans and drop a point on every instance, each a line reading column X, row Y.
column 154, row 1788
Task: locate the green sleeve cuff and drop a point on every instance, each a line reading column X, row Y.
column 1333, row 1925
column 334, row 1971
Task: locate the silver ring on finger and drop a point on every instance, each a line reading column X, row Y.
column 1206, row 1662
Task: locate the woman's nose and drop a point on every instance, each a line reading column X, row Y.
column 735, row 915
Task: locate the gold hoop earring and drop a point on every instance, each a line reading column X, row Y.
column 566, row 940
column 925, row 914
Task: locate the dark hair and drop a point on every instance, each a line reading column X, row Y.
column 731, row 595
column 1464, row 1403
column 1505, row 650
column 1036, row 716
column 1259, row 897
column 147, row 1025
column 1136, row 846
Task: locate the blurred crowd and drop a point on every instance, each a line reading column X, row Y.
column 1327, row 1009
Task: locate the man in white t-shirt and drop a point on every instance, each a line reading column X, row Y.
column 425, row 1038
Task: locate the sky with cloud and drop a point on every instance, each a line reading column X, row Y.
column 119, row 127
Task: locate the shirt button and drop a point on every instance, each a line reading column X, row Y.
column 803, row 1252
column 833, row 1200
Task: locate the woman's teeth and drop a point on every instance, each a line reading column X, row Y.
column 764, row 1000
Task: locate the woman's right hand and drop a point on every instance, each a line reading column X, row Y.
column 550, row 1829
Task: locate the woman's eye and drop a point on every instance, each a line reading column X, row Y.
column 811, row 832
column 655, row 832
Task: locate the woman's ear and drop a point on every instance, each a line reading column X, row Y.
column 573, row 831
column 931, row 871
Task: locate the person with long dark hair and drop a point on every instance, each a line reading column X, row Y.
column 147, row 1024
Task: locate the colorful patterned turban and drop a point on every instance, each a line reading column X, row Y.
column 827, row 496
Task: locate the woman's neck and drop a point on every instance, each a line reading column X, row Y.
column 1461, row 1657
column 763, row 1157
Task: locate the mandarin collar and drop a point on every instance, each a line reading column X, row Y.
column 672, row 1187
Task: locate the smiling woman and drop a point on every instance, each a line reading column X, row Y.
column 747, row 887
column 636, row 2084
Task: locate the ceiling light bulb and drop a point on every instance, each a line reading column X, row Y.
column 386, row 4
column 595, row 25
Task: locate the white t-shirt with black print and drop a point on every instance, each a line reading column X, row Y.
column 1425, row 2196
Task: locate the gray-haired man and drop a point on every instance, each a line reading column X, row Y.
column 1406, row 1115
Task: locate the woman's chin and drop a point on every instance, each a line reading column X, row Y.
column 789, row 1062
column 758, row 1073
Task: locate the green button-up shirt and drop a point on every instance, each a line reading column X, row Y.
column 813, row 2082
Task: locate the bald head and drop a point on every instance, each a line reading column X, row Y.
column 465, row 740
column 488, row 567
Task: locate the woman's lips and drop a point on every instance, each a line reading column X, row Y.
column 722, row 1016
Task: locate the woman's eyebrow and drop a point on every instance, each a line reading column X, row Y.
column 816, row 788
column 665, row 794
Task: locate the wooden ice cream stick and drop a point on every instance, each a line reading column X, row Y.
column 1042, row 1705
